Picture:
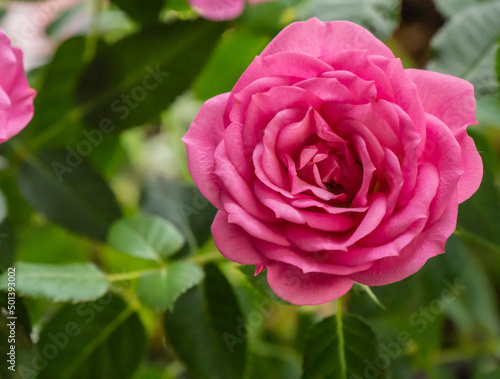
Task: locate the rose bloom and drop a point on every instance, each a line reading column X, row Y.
column 16, row 97
column 218, row 10
column 331, row 164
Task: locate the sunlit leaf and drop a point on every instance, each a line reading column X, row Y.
column 183, row 205
column 235, row 51
column 146, row 236
column 161, row 288
column 70, row 282
column 378, row 16
column 467, row 46
column 450, row 8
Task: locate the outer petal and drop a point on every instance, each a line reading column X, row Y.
column 16, row 98
column 473, row 168
column 233, row 242
column 448, row 98
column 218, row 9
column 291, row 284
column 452, row 100
column 202, row 138
column 427, row 244
column 318, row 38
column 307, row 263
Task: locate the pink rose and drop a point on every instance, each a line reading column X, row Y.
column 16, row 97
column 221, row 9
column 331, row 164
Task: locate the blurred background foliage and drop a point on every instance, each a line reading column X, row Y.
column 117, row 275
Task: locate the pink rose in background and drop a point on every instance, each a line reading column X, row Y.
column 331, row 164
column 26, row 22
column 16, row 97
column 218, row 10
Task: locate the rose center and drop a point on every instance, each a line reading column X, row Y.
column 333, row 187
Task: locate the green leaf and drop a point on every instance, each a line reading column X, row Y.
column 69, row 192
column 49, row 243
column 467, row 46
column 3, row 207
column 450, row 8
column 206, row 329
column 472, row 288
column 7, row 245
column 71, row 282
column 102, row 339
column 56, row 120
column 264, row 18
column 480, row 214
column 183, row 205
column 132, row 89
column 160, row 289
column 342, row 347
column 110, row 156
column 489, row 373
column 146, row 236
column 235, row 51
column 23, row 343
column 153, row 372
column 178, row 5
column 498, row 62
column 379, row 16
column 272, row 361
column 488, row 111
column 140, row 12
column 260, row 283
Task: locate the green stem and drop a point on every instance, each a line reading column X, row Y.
column 372, row 296
column 340, row 332
column 198, row 259
column 468, row 352
column 57, row 127
column 205, row 258
column 93, row 34
column 477, row 240
column 129, row 275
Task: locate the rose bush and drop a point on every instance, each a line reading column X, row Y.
column 221, row 9
column 331, row 164
column 16, row 97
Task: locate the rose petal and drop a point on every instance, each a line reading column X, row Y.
column 201, row 140
column 311, row 240
column 354, row 91
column 253, row 226
column 427, row 244
column 237, row 188
column 16, row 97
column 291, row 284
column 443, row 151
column 417, row 209
column 452, row 101
column 309, row 37
column 233, row 242
column 307, row 263
column 368, row 169
column 448, row 98
column 218, row 10
column 284, row 64
column 472, row 164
